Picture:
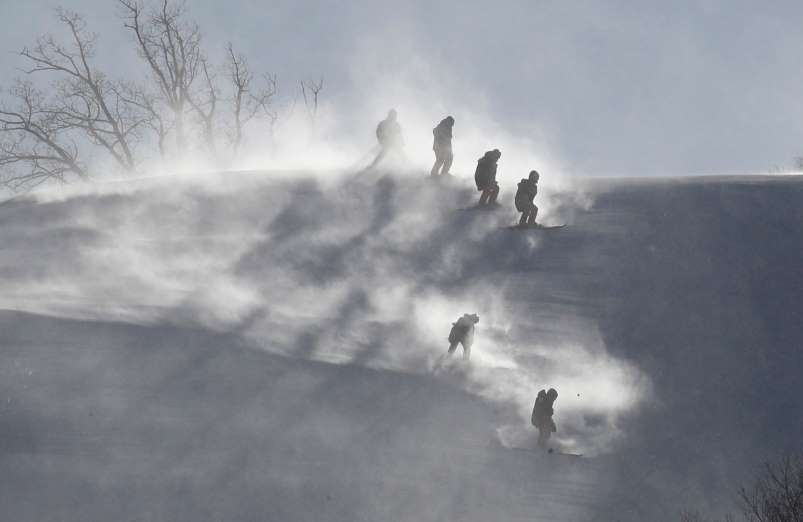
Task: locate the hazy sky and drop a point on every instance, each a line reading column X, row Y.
column 607, row 87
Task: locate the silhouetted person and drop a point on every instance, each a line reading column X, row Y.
column 463, row 333
column 389, row 135
column 442, row 146
column 485, row 177
column 525, row 196
column 542, row 415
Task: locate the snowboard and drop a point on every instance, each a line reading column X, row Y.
column 534, row 227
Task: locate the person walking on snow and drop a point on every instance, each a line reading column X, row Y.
column 442, row 145
column 525, row 195
column 542, row 415
column 485, row 177
column 389, row 135
column 463, row 333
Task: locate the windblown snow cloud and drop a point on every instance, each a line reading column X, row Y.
column 368, row 270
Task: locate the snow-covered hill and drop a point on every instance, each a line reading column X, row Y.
column 256, row 346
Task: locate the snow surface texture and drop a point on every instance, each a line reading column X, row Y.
column 257, row 346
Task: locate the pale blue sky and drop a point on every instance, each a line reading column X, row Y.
column 611, row 87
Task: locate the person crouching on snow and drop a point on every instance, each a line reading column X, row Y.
column 525, row 196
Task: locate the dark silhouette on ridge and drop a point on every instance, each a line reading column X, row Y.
column 389, row 136
column 542, row 415
column 485, row 177
column 442, row 145
column 463, row 333
column 525, row 196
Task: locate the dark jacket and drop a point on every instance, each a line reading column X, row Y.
column 525, row 195
column 485, row 175
column 462, row 331
column 543, row 411
column 442, row 135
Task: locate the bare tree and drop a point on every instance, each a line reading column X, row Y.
column 777, row 495
column 41, row 134
column 153, row 115
column 171, row 46
column 204, row 105
column 272, row 115
column 310, row 91
column 246, row 101
column 85, row 99
column 35, row 146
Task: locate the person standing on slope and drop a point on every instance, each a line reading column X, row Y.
column 525, row 196
column 463, row 333
column 442, row 145
column 485, row 177
column 542, row 415
column 389, row 135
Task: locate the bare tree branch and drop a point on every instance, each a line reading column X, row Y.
column 153, row 114
column 310, row 91
column 247, row 103
column 34, row 147
column 777, row 495
column 172, row 49
column 40, row 136
column 205, row 106
column 86, row 99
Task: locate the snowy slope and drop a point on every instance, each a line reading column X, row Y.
column 260, row 347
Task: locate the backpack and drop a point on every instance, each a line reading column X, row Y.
column 459, row 331
column 481, row 174
column 453, row 333
column 380, row 132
